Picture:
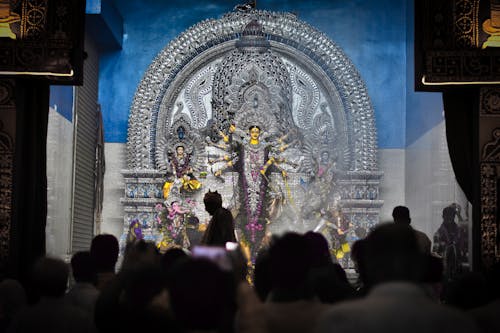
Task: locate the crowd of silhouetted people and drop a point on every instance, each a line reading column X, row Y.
column 295, row 285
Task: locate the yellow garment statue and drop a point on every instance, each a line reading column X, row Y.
column 181, row 169
column 166, row 189
column 190, row 184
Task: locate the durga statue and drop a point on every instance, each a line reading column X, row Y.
column 253, row 153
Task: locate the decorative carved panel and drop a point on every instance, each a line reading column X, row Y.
column 456, row 41
column 490, row 101
column 7, row 127
column 42, row 36
column 489, row 140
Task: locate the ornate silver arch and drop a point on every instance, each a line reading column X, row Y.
column 296, row 80
column 296, row 42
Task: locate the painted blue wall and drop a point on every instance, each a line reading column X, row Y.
column 373, row 34
column 423, row 110
column 61, row 99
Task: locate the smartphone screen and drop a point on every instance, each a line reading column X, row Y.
column 217, row 254
column 232, row 246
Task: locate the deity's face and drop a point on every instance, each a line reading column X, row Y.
column 254, row 133
column 180, row 151
column 325, row 157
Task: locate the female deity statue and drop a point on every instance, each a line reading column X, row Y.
column 252, row 154
column 182, row 172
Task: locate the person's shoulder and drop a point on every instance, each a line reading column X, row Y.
column 422, row 235
column 343, row 308
column 341, row 317
column 454, row 320
column 441, row 229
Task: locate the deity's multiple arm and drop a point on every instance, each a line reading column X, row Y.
column 226, row 151
column 229, row 159
column 235, row 137
column 276, row 156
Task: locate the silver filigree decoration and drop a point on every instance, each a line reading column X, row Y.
column 197, row 89
column 307, row 91
column 285, row 32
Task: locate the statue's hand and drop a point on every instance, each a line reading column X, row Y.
column 225, row 137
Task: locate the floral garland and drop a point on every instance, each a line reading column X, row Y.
column 166, row 225
column 253, row 225
column 253, row 216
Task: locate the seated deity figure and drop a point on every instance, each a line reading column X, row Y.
column 181, row 172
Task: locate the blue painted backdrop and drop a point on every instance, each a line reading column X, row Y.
column 61, row 100
column 376, row 35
